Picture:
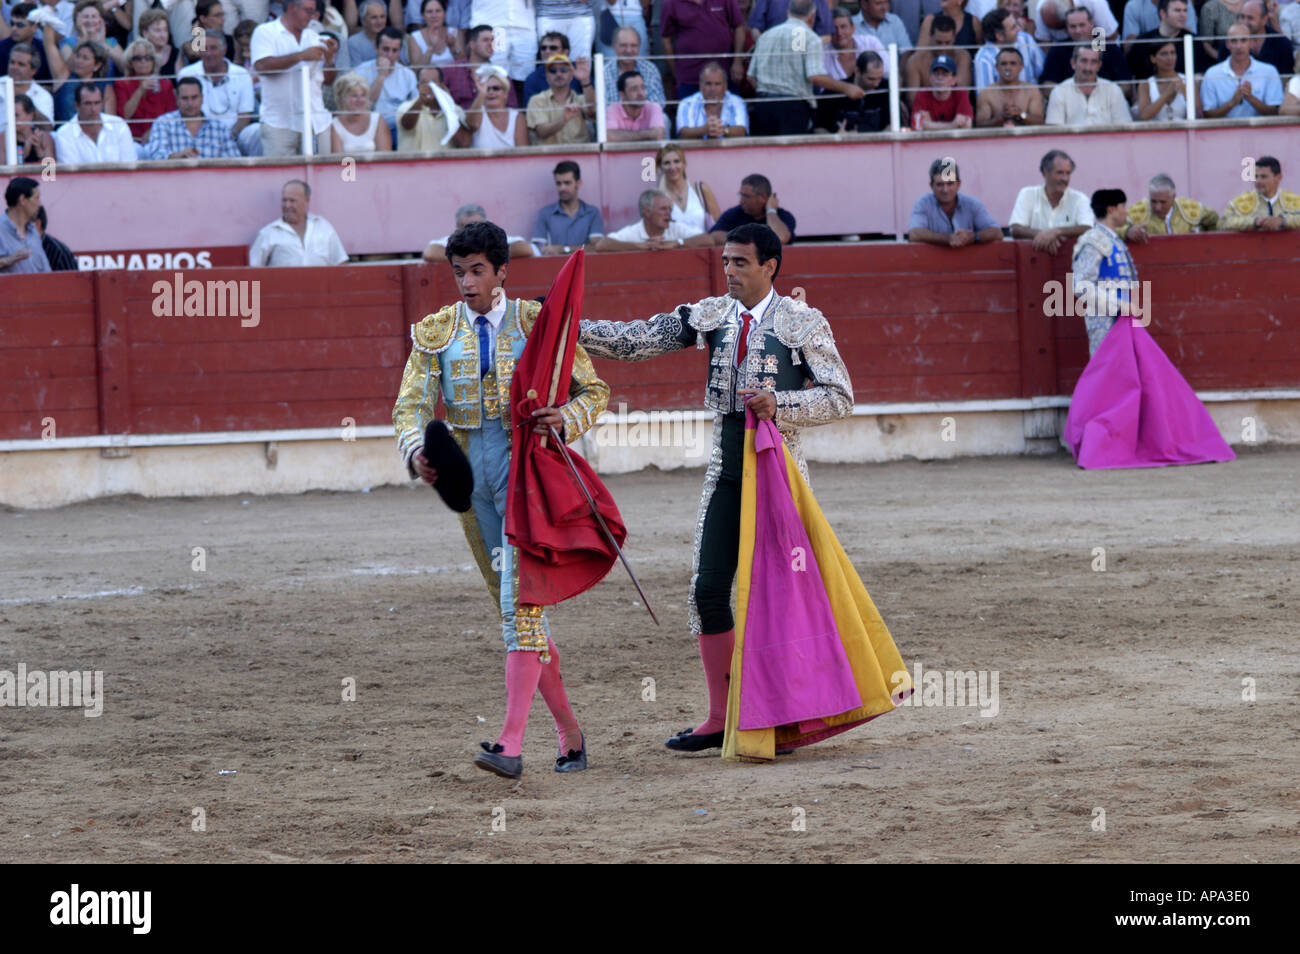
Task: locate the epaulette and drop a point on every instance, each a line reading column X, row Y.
column 1245, row 203
column 528, row 310
column 1290, row 200
column 1139, row 213
column 795, row 321
column 1098, row 239
column 710, row 313
column 433, row 333
column 1192, row 210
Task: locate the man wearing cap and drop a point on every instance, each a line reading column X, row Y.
column 466, row 353
column 941, row 106
column 558, row 116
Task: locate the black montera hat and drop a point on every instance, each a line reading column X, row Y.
column 455, row 479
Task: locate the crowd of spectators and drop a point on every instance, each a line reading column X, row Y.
column 429, row 75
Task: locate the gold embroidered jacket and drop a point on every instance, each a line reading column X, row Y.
column 1241, row 213
column 1186, row 216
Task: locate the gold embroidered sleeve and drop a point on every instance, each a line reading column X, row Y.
column 416, row 401
column 588, row 398
column 830, row 396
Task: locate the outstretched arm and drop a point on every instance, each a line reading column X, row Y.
column 638, row 340
column 830, row 394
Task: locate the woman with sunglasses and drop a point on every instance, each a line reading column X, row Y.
column 493, row 124
column 143, row 95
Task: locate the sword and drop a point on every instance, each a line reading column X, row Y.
column 564, row 451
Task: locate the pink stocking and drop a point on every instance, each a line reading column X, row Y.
column 715, row 653
column 557, row 700
column 523, row 670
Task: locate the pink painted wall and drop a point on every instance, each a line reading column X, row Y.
column 833, row 188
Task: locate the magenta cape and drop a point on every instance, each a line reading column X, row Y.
column 1131, row 408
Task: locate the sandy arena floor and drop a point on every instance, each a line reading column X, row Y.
column 1118, row 690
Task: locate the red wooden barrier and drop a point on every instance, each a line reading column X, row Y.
column 914, row 323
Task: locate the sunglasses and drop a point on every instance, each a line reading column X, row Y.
column 559, row 69
column 142, row 56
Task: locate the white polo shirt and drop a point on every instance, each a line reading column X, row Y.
column 1032, row 209
column 281, row 106
column 636, row 232
column 278, row 245
column 113, row 144
column 225, row 100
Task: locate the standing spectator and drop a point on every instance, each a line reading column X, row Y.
column 1241, row 85
column 871, row 112
column 297, row 239
column 22, row 71
column 281, row 50
column 1163, row 96
column 436, row 251
column 1051, row 212
column 493, row 123
column 626, row 42
column 549, row 45
column 187, row 133
column 1266, row 46
column 432, row 120
column 943, row 216
column 1033, row 55
column 576, row 19
column 1084, row 99
column 1214, row 19
column 144, row 96
column 227, row 87
column 758, row 203
column 629, row 14
column 460, row 77
column 1288, row 24
column 785, row 79
column 432, row 43
column 942, row 106
column 34, row 142
column 970, row 33
column 632, row 117
column 558, row 116
column 770, row 13
column 209, row 15
column 515, row 24
column 90, row 26
column 713, row 112
column 57, row 254
column 876, row 20
column 694, row 204
column 1164, row 212
column 1269, row 208
column 361, row 45
column 391, row 83
column 94, row 135
column 943, row 37
column 88, row 68
column 846, row 46
column 1079, row 25
column 653, row 231
column 21, row 252
column 155, row 29
column 568, row 222
column 1173, row 26
column 1008, row 102
column 695, row 29
column 356, row 129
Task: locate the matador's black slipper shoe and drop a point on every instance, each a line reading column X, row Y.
column 575, row 760
column 491, row 760
column 688, row 741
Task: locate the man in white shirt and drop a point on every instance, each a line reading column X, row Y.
column 1085, row 99
column 296, row 239
column 654, row 230
column 514, row 29
column 22, row 68
column 277, row 49
column 227, row 87
column 1051, row 212
column 94, row 136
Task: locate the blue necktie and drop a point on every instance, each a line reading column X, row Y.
column 484, row 346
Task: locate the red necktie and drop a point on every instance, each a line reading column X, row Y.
column 743, row 346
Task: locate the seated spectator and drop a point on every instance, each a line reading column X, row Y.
column 1288, row 25
column 1164, row 212
column 1052, row 212
column 553, row 44
column 653, row 231
column 1266, row 46
column 632, row 117
column 22, row 70
column 227, row 87
column 493, row 124
column 713, row 112
column 391, row 83
column 876, row 20
column 57, row 254
column 34, row 141
column 1053, row 28
column 243, row 52
column 355, row 128
column 871, row 112
column 1084, row 99
column 89, row 66
column 93, row 135
column 841, row 56
column 144, row 95
column 694, row 205
column 1291, row 101
column 942, row 106
column 916, row 75
column 1163, row 96
column 1240, row 85
column 21, row 251
column 1030, row 50
column 436, row 251
column 22, row 29
column 297, row 239
column 1269, row 208
column 632, row 14
column 1143, row 16
column 1000, row 27
column 362, row 44
column 558, row 115
column 209, row 15
column 1009, row 102
column 1213, row 19
column 432, row 43
column 154, row 28
column 187, row 133
column 757, row 204
column 432, row 120
column 627, row 43
column 91, row 26
column 1058, row 66
column 943, row 216
column 56, row 13
column 461, row 76
column 969, row 32
column 568, row 222
column 1173, row 25
column 785, row 80
column 576, row 20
